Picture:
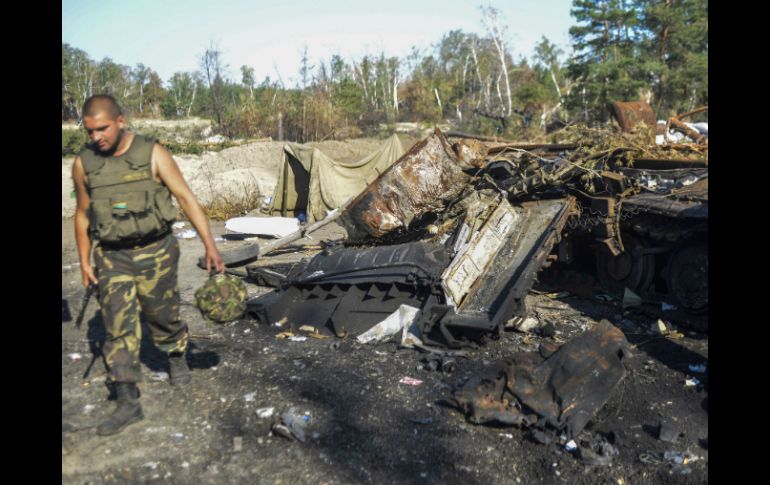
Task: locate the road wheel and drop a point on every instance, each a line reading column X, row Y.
column 631, row 269
column 688, row 276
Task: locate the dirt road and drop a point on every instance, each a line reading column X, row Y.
column 363, row 426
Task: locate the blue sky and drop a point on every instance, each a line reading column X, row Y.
column 269, row 35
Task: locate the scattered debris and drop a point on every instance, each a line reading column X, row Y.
column 427, row 420
column 692, row 382
column 281, row 322
column 699, row 368
column 292, row 425
column 540, row 437
column 523, row 324
column 75, row 356
column 263, row 226
column 571, row 446
column 188, row 234
column 250, row 396
column 403, row 317
column 631, row 299
column 548, row 330
column 680, row 460
column 265, row 412
column 667, row 307
column 410, row 381
column 667, row 432
column 603, row 458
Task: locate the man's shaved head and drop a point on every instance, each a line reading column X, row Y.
column 102, row 103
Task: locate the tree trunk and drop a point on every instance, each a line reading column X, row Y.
column 395, row 93
column 555, row 84
column 501, row 53
column 478, row 74
column 192, row 100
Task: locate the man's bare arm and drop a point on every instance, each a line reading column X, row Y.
column 166, row 169
column 81, row 222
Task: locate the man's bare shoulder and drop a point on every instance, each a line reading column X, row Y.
column 77, row 167
column 160, row 152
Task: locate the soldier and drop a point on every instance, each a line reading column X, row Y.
column 124, row 182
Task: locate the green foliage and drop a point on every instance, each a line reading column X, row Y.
column 72, row 141
column 628, row 49
column 623, row 50
column 606, row 62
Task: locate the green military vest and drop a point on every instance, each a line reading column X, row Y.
column 127, row 204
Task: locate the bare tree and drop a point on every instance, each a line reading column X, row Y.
column 213, row 68
column 247, row 78
column 491, row 20
column 141, row 76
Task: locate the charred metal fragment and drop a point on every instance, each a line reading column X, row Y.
column 564, row 390
column 687, row 202
column 274, row 275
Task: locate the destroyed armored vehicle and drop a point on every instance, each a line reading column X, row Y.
column 664, row 232
column 461, row 230
column 426, row 234
column 653, row 217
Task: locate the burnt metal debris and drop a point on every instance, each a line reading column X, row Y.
column 461, row 229
column 631, row 113
column 562, row 388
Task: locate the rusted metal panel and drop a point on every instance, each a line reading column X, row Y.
column 424, row 180
column 471, row 152
column 631, row 113
column 609, row 232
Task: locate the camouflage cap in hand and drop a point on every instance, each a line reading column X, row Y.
column 222, row 298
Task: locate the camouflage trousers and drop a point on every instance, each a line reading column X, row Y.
column 131, row 281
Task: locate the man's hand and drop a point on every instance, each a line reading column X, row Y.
column 87, row 272
column 214, row 259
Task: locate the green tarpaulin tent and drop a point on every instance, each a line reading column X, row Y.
column 313, row 183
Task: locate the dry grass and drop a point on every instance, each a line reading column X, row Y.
column 235, row 202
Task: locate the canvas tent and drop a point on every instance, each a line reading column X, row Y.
column 313, row 183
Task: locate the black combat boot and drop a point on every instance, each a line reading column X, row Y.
column 128, row 411
column 177, row 369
